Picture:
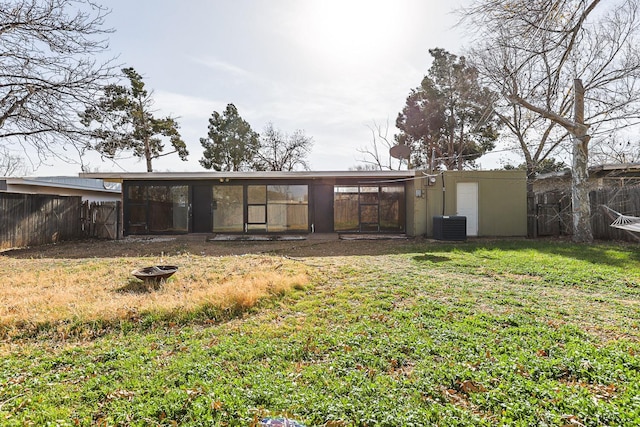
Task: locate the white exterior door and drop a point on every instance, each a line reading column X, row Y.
column 467, row 205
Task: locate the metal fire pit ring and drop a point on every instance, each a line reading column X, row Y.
column 155, row 273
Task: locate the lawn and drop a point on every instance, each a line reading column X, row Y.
column 348, row 333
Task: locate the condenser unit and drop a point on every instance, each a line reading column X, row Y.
column 450, row 227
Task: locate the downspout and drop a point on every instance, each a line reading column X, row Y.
column 443, row 192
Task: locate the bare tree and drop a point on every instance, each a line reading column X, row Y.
column 377, row 155
column 567, row 71
column 619, row 149
column 11, row 164
column 282, row 152
column 48, row 72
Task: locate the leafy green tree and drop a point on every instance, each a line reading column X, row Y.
column 231, row 144
column 125, row 122
column 447, row 120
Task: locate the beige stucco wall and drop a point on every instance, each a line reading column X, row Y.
column 416, row 198
column 502, row 202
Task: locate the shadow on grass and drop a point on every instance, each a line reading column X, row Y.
column 608, row 253
column 604, row 253
column 431, row 258
column 135, row 286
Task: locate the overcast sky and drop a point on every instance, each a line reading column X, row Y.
column 328, row 67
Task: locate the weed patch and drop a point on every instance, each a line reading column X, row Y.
column 65, row 297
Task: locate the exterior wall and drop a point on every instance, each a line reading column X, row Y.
column 501, row 194
column 416, row 200
column 502, row 202
column 435, row 195
column 320, row 204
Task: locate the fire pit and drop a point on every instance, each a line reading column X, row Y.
column 155, row 273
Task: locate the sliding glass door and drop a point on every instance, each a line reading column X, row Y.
column 158, row 209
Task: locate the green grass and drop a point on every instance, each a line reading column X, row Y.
column 501, row 333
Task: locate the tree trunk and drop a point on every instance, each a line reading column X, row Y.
column 581, row 206
column 580, row 193
column 532, row 214
column 147, row 154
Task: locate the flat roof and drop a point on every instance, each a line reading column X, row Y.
column 142, row 176
column 66, row 182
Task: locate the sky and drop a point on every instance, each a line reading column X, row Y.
column 332, row 68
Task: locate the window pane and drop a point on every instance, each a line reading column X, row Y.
column 137, row 214
column 369, row 194
column 158, row 193
column 136, row 193
column 180, row 207
column 369, row 214
column 345, row 189
column 228, row 208
column 257, row 214
column 392, row 213
column 168, row 208
column 345, row 208
column 287, row 208
column 256, row 194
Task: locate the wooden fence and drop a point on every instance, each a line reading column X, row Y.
column 553, row 212
column 36, row 219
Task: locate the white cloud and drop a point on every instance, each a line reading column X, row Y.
column 223, row 66
column 185, row 106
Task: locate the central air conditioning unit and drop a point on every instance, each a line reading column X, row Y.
column 450, row 227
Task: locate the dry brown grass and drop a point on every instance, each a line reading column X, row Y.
column 38, row 291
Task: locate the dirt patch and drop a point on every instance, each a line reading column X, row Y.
column 158, row 246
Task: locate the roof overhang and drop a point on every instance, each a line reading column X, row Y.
column 295, row 175
column 35, row 182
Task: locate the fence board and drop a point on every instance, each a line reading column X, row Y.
column 554, row 207
column 36, row 219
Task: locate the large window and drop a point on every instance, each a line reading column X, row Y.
column 287, row 208
column 392, row 208
column 158, row 209
column 227, row 208
column 269, row 208
column 369, row 208
column 137, row 196
column 346, row 208
column 168, row 208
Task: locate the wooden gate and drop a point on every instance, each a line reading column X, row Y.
column 101, row 220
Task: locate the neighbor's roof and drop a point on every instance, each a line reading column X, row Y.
column 67, row 182
column 618, row 169
column 141, row 176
